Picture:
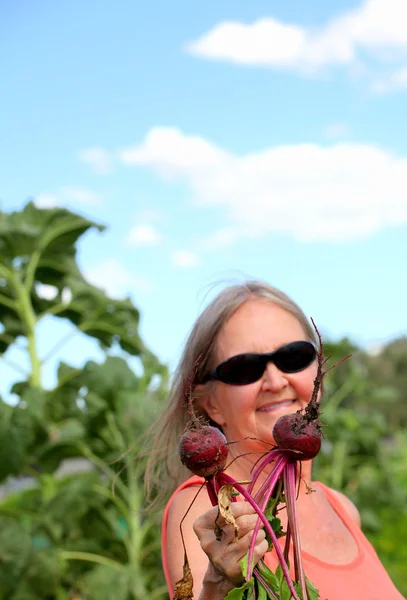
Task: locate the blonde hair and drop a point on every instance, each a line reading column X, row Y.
column 164, row 470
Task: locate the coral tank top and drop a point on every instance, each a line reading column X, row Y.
column 364, row 578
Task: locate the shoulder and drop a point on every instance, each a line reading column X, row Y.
column 187, row 503
column 347, row 505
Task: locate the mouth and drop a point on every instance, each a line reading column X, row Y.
column 275, row 406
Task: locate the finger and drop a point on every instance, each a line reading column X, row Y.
column 260, row 550
column 244, row 517
column 227, row 560
column 237, row 508
column 247, row 523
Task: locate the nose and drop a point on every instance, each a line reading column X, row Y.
column 274, row 380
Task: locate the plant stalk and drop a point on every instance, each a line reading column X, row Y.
column 28, row 318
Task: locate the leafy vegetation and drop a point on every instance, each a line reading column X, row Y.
column 73, row 537
column 68, row 536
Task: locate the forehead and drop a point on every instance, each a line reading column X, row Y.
column 258, row 326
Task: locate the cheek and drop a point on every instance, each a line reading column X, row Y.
column 303, row 384
column 239, row 406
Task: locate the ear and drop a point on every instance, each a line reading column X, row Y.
column 208, row 402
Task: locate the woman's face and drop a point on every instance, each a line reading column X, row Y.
column 252, row 410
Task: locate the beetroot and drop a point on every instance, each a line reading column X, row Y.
column 298, row 437
column 204, row 451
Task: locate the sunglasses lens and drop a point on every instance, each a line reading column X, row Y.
column 248, row 368
column 242, row 369
column 295, row 357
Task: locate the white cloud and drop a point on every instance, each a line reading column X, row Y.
column 98, row 159
column 394, row 81
column 337, row 130
column 143, row 235
column 185, row 258
column 169, row 150
column 376, row 27
column 310, row 192
column 115, row 279
column 46, row 201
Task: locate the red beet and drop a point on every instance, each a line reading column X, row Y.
column 204, row 451
column 300, row 438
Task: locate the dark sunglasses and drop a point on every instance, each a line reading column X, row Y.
column 249, row 367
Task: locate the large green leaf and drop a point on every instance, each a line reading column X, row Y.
column 109, row 321
column 62, row 444
column 105, row 583
column 36, row 245
column 12, row 326
column 109, row 378
column 15, row 437
column 72, row 499
column 15, row 551
column 42, row 577
column 49, row 231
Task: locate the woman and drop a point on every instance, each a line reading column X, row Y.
column 245, row 402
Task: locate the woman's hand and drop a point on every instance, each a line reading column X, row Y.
column 225, row 553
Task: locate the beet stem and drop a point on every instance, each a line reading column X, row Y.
column 212, row 492
column 272, row 482
column 260, row 467
column 227, row 479
column 290, row 476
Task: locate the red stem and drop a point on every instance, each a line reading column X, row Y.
column 271, row 481
column 290, row 476
column 227, row 479
column 259, row 469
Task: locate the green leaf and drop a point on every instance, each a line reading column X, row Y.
column 244, row 563
column 71, row 502
column 34, row 400
column 15, row 437
column 261, row 593
column 279, row 575
column 69, row 431
column 15, row 551
column 105, row 583
column 22, row 233
column 277, row 527
column 269, row 576
column 240, row 593
column 285, row 593
column 12, row 325
column 312, row 591
column 43, row 574
column 109, row 321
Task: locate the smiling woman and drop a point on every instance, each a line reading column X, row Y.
column 250, row 360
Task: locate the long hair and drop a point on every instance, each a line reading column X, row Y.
column 164, row 471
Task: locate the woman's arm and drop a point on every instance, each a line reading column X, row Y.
column 198, row 560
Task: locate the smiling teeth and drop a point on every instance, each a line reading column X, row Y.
column 275, row 406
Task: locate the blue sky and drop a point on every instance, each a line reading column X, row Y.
column 217, row 142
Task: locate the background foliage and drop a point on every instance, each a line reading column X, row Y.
column 68, row 536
